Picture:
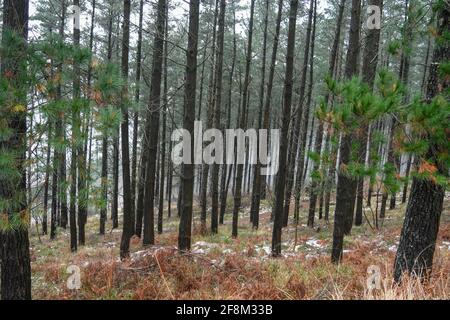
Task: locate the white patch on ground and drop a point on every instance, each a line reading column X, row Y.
column 140, row 254
column 393, row 248
column 445, row 245
column 314, row 243
column 263, row 249
column 110, row 244
column 203, row 247
column 227, row 251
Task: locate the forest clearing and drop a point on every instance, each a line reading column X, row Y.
column 225, row 150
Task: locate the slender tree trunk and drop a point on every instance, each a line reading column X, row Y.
column 404, row 75
column 407, row 173
column 115, row 191
column 128, row 214
column 152, row 124
column 243, row 121
column 256, row 188
column 210, row 120
column 75, row 163
column 346, row 186
column 77, row 132
column 217, row 113
column 225, row 179
column 46, row 180
column 187, row 174
column 164, row 129
column 104, row 169
column 297, row 119
column 281, row 177
column 369, row 68
column 137, row 99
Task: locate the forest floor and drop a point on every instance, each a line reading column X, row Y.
column 220, row 267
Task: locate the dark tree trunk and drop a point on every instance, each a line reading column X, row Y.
column 104, row 169
column 85, row 178
column 128, row 214
column 217, row 113
column 286, row 116
column 61, row 175
column 242, row 123
column 164, row 129
column 77, row 164
column 115, row 191
column 407, row 173
column 225, row 178
column 81, row 154
column 297, row 119
column 46, row 180
column 137, row 99
column 104, row 185
column 14, row 243
column 256, row 188
column 170, row 180
column 187, row 174
column 152, row 125
column 209, row 124
column 346, row 186
column 418, row 238
column 393, row 159
column 369, row 68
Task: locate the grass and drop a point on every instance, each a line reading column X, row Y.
column 220, row 267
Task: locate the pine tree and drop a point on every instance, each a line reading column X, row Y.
column 418, row 237
column 14, row 242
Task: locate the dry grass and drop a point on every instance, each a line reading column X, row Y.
column 220, row 267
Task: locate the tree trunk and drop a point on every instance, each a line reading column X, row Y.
column 76, row 164
column 104, row 169
column 369, row 68
column 346, row 186
column 164, row 129
column 256, row 188
column 152, row 125
column 407, row 173
column 243, row 121
column 14, row 243
column 187, row 174
column 115, row 191
column 209, row 124
column 128, row 214
column 217, row 112
column 286, row 117
column 46, row 180
column 297, row 119
column 418, row 238
column 137, row 99
column 225, row 179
